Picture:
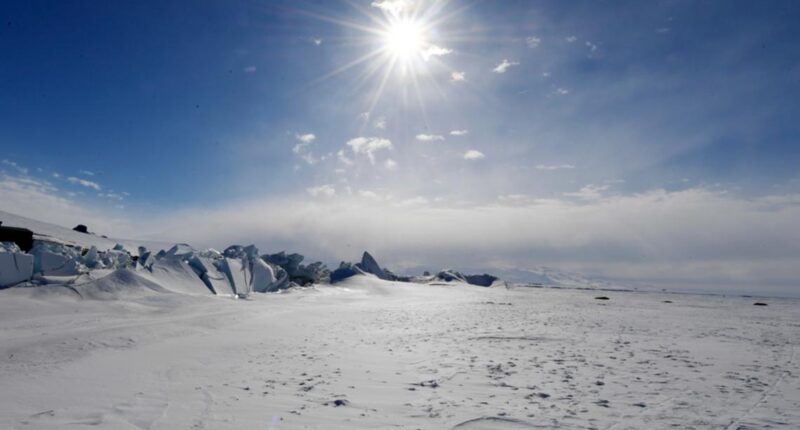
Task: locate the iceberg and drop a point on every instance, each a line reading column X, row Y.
column 15, row 267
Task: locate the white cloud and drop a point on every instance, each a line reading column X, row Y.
column 561, row 91
column 459, row 132
column 316, row 42
column 306, row 138
column 554, row 166
column 86, row 172
column 504, row 66
column 301, row 148
column 84, row 183
column 434, row 51
column 392, row 7
column 249, row 69
column 325, row 190
column 571, row 39
column 429, row 137
column 473, row 154
column 592, row 47
column 458, row 76
column 380, row 123
column 57, row 175
column 589, row 192
column 390, row 164
column 533, row 41
column 369, row 146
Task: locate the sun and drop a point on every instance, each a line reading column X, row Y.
column 404, row 39
column 406, row 44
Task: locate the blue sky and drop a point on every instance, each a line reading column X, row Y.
column 503, row 135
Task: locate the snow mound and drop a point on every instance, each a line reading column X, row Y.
column 121, row 283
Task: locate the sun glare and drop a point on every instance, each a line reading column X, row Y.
column 408, row 42
column 404, row 39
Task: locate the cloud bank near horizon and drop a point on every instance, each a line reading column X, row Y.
column 695, row 237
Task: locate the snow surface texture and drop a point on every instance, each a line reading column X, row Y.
column 100, row 339
column 368, row 353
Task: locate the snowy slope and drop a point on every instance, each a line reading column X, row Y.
column 51, row 231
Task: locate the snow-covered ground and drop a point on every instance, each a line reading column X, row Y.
column 367, row 353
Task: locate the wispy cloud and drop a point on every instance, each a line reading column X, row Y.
column 84, row 183
column 16, row 166
column 589, row 192
column 459, row 132
column 86, row 172
column 317, row 41
column 473, row 154
column 344, row 158
column 533, row 41
column 112, row 196
column 249, row 69
column 458, row 76
column 390, row 164
column 380, row 123
column 369, row 146
column 429, row 137
column 301, row 148
column 325, row 190
column 392, row 7
column 571, row 39
column 306, row 138
column 554, row 166
column 504, row 66
column 561, row 91
column 39, row 199
column 434, row 51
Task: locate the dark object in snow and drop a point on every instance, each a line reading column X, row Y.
column 300, row 274
column 338, row 402
column 344, row 271
column 602, row 298
column 485, row 280
column 432, row 383
column 759, row 304
column 21, row 236
column 369, row 265
column 80, row 228
column 667, row 301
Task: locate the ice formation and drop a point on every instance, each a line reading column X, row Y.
column 236, row 272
